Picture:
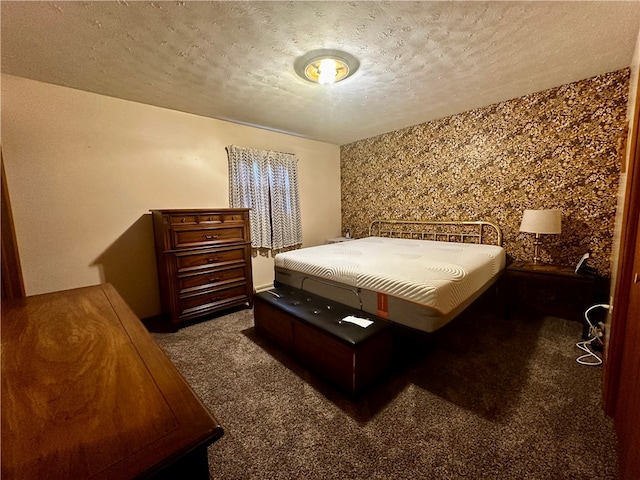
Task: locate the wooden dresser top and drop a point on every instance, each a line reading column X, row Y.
column 86, row 392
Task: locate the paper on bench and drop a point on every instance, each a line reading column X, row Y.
column 362, row 322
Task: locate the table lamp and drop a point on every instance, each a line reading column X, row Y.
column 540, row 222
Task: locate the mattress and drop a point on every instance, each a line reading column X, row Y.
column 420, row 283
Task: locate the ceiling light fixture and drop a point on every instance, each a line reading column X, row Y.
column 326, row 66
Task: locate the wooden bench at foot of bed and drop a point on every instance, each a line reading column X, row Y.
column 311, row 329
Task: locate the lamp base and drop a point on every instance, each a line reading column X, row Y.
column 536, row 249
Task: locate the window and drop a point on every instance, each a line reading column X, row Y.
column 267, row 183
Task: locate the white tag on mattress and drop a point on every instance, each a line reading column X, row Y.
column 362, row 322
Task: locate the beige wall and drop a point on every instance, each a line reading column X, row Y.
column 552, row 149
column 84, row 170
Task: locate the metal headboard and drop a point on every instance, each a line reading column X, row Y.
column 452, row 231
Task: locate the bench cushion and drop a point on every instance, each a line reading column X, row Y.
column 323, row 314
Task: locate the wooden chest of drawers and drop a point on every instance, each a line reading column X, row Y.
column 204, row 261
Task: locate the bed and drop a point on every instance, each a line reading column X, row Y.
column 420, row 274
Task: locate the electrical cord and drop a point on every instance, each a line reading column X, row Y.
column 591, row 358
column 584, row 359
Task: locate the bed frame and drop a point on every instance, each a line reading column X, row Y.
column 450, row 231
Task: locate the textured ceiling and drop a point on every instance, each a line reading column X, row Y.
column 234, row 60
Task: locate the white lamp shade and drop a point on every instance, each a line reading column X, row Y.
column 541, row 221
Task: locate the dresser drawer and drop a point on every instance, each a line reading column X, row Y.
column 196, row 237
column 218, row 218
column 207, row 259
column 214, row 218
column 183, row 219
column 211, row 279
column 210, row 300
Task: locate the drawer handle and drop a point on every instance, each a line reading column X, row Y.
column 183, row 220
column 214, row 279
column 211, row 260
column 210, row 237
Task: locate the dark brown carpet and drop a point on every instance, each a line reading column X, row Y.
column 485, row 398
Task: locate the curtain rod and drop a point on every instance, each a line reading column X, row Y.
column 258, row 150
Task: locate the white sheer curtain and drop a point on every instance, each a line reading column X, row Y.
column 267, row 183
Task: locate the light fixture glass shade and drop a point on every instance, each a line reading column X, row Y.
column 326, row 70
column 325, row 66
column 541, row 221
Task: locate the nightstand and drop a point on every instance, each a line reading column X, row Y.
column 338, row 239
column 553, row 290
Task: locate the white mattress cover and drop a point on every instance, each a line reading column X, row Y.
column 438, row 275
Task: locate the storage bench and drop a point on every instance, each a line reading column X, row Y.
column 311, row 329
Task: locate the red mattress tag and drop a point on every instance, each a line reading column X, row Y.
column 383, row 309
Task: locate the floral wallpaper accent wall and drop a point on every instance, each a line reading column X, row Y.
column 551, row 149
